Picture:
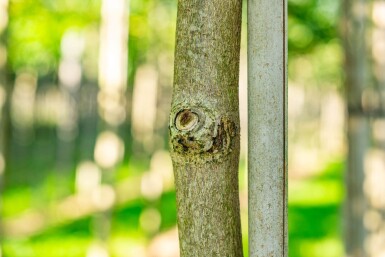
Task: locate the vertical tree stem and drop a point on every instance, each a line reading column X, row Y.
column 267, row 102
column 354, row 33
column 204, row 127
column 112, row 85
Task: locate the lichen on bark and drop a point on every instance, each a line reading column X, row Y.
column 204, row 127
column 198, row 135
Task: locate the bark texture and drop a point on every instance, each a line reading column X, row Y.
column 354, row 33
column 204, row 127
column 267, row 108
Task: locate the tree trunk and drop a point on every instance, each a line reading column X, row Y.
column 357, row 124
column 267, row 103
column 204, row 127
column 109, row 147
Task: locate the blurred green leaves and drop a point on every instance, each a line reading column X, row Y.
column 36, row 27
column 311, row 22
column 34, row 35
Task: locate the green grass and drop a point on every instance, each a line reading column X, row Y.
column 315, row 214
column 314, row 221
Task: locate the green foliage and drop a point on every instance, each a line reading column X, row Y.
column 36, row 27
column 315, row 52
column 311, row 22
column 314, row 222
column 33, row 40
column 315, row 214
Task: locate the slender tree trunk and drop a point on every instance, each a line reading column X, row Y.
column 72, row 47
column 204, row 127
column 109, row 147
column 267, row 59
column 355, row 18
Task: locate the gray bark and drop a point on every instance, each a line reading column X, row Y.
column 267, row 108
column 354, row 33
column 355, row 202
column 204, row 127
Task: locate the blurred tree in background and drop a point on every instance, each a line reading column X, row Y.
column 63, row 137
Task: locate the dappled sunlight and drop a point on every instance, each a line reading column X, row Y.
column 85, row 166
column 75, row 207
column 295, row 107
column 70, row 75
column 112, row 106
column 144, row 105
column 3, row 16
column 151, row 185
column 23, row 100
column 373, row 220
column 375, row 177
column 161, row 164
column 314, row 193
column 51, row 107
column 165, row 245
column 375, row 243
column 375, row 191
column 31, row 222
column 109, row 150
column 378, row 14
column 378, row 50
column 103, row 197
column 379, row 130
column 70, row 69
column 150, row 220
column 112, row 76
column 375, row 159
column 331, row 121
column 97, row 250
column 316, row 115
column 331, row 247
column 113, row 40
column 88, row 177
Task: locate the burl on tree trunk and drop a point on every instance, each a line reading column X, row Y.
column 204, row 127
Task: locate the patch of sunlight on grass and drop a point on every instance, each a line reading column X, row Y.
column 70, row 246
column 127, row 246
column 315, row 193
column 330, row 247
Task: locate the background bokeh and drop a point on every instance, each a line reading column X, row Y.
column 84, row 97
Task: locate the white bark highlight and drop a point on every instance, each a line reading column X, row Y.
column 267, row 102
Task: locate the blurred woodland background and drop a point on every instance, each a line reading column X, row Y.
column 84, row 98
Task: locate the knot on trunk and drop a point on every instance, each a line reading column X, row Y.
column 197, row 134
